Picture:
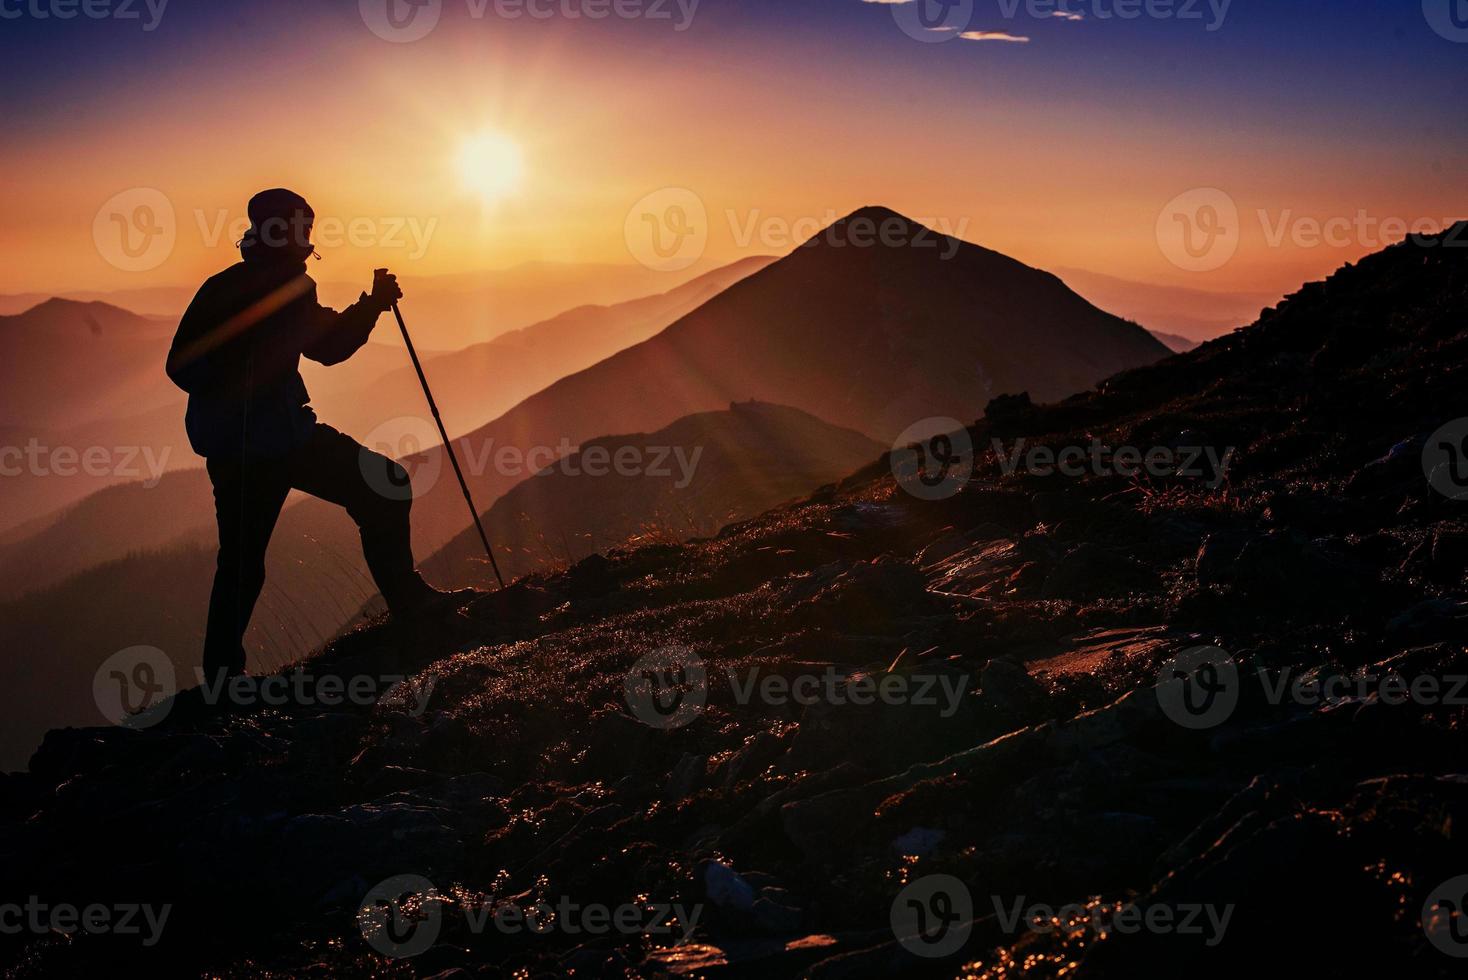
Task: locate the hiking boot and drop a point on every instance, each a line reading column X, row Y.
column 428, row 602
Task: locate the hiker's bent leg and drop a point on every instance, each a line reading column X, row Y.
column 377, row 494
column 248, row 496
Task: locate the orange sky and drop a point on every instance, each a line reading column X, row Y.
column 369, row 131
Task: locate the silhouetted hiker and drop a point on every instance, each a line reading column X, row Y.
column 237, row 353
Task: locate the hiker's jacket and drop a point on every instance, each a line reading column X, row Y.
column 238, row 350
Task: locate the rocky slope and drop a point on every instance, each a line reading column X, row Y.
column 557, row 743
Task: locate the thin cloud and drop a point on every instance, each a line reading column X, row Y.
column 1062, row 14
column 994, row 36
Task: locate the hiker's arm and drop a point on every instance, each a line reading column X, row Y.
column 190, row 358
column 334, row 336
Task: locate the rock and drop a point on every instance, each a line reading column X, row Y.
column 1008, row 413
column 684, row 777
column 588, row 961
column 929, row 714
column 1400, row 467
column 726, row 888
column 1287, row 568
column 1449, row 556
column 590, row 578
column 742, row 958
column 687, row 960
column 918, row 842
column 758, row 751
column 776, row 919
column 1053, row 506
column 1216, row 556
column 1010, row 695
column 1091, row 571
column 1037, row 546
column 1431, row 621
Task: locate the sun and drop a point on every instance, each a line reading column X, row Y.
column 491, row 166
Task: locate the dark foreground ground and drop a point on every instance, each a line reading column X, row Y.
column 1062, row 815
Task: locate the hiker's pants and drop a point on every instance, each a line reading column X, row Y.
column 248, row 496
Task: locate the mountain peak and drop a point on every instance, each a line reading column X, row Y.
column 60, row 305
column 876, row 212
column 875, row 224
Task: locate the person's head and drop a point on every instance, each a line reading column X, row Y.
column 280, row 226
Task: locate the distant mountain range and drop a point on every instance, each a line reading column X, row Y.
column 1195, row 315
column 685, row 480
column 1175, row 343
column 452, row 311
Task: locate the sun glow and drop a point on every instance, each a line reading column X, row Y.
column 491, row 166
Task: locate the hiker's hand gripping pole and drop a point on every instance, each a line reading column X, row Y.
column 448, row 446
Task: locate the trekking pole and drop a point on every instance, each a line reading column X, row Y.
column 448, row 446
